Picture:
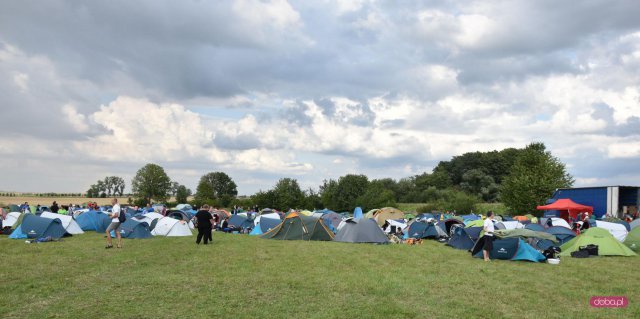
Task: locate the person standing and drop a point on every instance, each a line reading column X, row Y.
column 55, row 207
column 115, row 224
column 488, row 235
column 205, row 221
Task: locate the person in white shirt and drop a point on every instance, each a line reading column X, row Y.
column 488, row 236
column 115, row 224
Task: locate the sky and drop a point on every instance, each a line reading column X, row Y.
column 312, row 90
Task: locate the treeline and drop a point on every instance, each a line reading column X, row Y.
column 41, row 194
column 520, row 178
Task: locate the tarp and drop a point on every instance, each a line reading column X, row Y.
column 299, row 227
column 171, row 227
column 524, row 233
column 617, row 230
column 69, row 224
column 571, row 208
column 633, row 239
column 509, row 249
column 37, row 227
column 607, row 244
column 361, row 231
column 93, row 220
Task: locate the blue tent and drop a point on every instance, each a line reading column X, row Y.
column 132, row 228
column 93, row 220
column 420, row 229
column 534, row 227
column 265, row 225
column 563, row 234
column 357, row 213
column 240, row 222
column 470, row 217
column 509, row 249
column 37, row 227
column 460, row 239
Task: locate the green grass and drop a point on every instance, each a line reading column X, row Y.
column 249, row 277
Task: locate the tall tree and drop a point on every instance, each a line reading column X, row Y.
column 350, row 188
column 287, row 194
column 151, row 183
column 533, row 178
column 182, row 194
column 216, row 187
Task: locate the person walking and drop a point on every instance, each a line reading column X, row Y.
column 488, row 235
column 205, row 221
column 115, row 224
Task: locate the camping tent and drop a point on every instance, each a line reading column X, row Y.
column 474, row 223
column 37, row 227
column 357, row 212
column 93, row 220
column 461, row 238
column 299, row 227
column 422, row 229
column 265, row 223
column 633, row 239
column 448, row 223
column 470, row 217
column 534, row 227
column 634, row 223
column 132, row 228
column 382, row 214
column 509, row 249
column 555, row 222
column 69, row 224
column 11, row 220
column 524, row 233
column 567, row 208
column 167, row 226
column 361, row 231
column 607, row 244
column 512, row 224
column 148, row 217
column 617, row 230
column 240, row 222
column 332, row 219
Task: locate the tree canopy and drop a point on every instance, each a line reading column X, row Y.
column 216, row 188
column 151, row 183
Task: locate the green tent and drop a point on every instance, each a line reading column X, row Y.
column 299, row 227
column 633, row 239
column 607, row 244
column 14, row 208
column 475, row 223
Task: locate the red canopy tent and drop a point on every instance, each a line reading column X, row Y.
column 567, row 208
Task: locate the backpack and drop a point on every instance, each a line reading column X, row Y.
column 121, row 217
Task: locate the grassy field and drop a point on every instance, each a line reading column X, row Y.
column 249, row 277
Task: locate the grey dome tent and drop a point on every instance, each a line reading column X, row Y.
column 132, row 228
column 361, row 231
column 463, row 238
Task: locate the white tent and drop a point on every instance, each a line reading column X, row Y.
column 168, row 226
column 149, row 217
column 393, row 222
column 68, row 222
column 11, row 219
column 512, row 224
column 617, row 230
column 555, row 222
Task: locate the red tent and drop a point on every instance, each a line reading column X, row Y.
column 567, row 208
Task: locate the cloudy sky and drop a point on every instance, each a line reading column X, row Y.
column 312, row 89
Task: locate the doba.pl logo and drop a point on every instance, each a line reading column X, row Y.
column 608, row 301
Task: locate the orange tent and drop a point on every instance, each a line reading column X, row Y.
column 521, row 218
column 567, row 208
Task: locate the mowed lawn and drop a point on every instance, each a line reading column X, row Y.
column 249, row 277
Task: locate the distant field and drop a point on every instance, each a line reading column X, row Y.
column 32, row 200
column 242, row 276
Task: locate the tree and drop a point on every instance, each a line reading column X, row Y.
column 535, row 175
column 287, row 194
column 151, row 183
column 328, row 193
column 350, row 187
column 376, row 196
column 182, row 193
column 216, row 187
column 478, row 183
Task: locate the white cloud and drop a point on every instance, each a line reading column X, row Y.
column 78, row 121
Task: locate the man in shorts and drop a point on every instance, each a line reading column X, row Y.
column 115, row 224
column 488, row 236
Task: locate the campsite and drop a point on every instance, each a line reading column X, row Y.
column 298, row 267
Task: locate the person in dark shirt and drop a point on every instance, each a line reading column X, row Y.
column 205, row 221
column 54, row 208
